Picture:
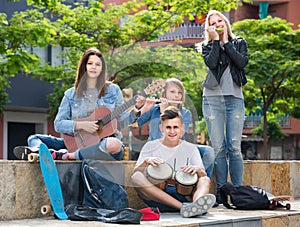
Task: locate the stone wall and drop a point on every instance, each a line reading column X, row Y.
column 22, row 189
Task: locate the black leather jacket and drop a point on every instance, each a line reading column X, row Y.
column 234, row 53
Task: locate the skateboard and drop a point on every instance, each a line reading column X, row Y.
column 23, row 152
column 33, row 157
column 51, row 179
column 279, row 201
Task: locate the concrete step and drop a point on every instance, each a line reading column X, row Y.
column 219, row 216
column 22, row 190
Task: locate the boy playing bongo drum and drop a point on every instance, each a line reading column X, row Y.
column 182, row 156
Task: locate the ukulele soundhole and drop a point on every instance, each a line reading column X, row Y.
column 101, row 125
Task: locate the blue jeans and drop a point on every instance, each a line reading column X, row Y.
column 224, row 117
column 94, row 152
column 51, row 142
column 56, row 143
column 171, row 190
column 208, row 158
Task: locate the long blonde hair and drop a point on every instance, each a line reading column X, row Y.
column 208, row 38
column 174, row 82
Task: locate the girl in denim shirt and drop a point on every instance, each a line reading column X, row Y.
column 91, row 91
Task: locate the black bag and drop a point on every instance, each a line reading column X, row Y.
column 100, row 189
column 244, row 197
column 84, row 213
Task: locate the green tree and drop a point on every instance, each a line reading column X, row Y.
column 85, row 24
column 17, row 36
column 273, row 68
column 274, row 130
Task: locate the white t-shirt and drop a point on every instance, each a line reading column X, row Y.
column 183, row 154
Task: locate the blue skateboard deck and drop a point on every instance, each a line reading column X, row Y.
column 52, row 183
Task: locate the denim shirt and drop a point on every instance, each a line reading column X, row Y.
column 153, row 116
column 72, row 107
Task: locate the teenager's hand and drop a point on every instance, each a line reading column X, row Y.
column 164, row 104
column 225, row 35
column 213, row 33
column 88, row 126
column 189, row 169
column 140, row 101
column 194, row 169
column 154, row 161
column 149, row 103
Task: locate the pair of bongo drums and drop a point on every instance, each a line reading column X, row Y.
column 161, row 176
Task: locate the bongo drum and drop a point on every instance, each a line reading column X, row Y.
column 159, row 175
column 185, row 182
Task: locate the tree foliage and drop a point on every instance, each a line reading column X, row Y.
column 274, row 130
column 81, row 25
column 273, row 68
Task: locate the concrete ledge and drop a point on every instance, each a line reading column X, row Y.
column 23, row 192
column 219, row 216
column 277, row 177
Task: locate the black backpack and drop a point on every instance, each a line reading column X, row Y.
column 100, row 189
column 244, row 197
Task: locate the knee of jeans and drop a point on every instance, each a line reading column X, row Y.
column 209, row 156
column 115, row 148
column 30, row 138
column 235, row 148
column 119, row 155
column 220, row 152
column 210, row 152
column 235, row 154
column 220, row 156
column 112, row 145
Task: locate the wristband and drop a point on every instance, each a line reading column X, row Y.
column 138, row 111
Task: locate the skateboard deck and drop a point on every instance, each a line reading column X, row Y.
column 51, row 179
column 279, row 201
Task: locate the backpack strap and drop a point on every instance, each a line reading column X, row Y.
column 86, row 180
column 225, row 192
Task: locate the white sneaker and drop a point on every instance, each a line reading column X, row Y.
column 199, row 207
column 22, row 152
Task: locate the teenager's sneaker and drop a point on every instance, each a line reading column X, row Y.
column 199, row 207
column 22, row 152
column 61, row 154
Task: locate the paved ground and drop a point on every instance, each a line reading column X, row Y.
column 219, row 216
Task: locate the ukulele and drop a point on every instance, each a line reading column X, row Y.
column 106, row 120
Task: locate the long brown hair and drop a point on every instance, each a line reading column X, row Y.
column 81, row 76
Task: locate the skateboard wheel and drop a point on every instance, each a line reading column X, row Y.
column 46, row 209
column 33, row 157
column 288, row 206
